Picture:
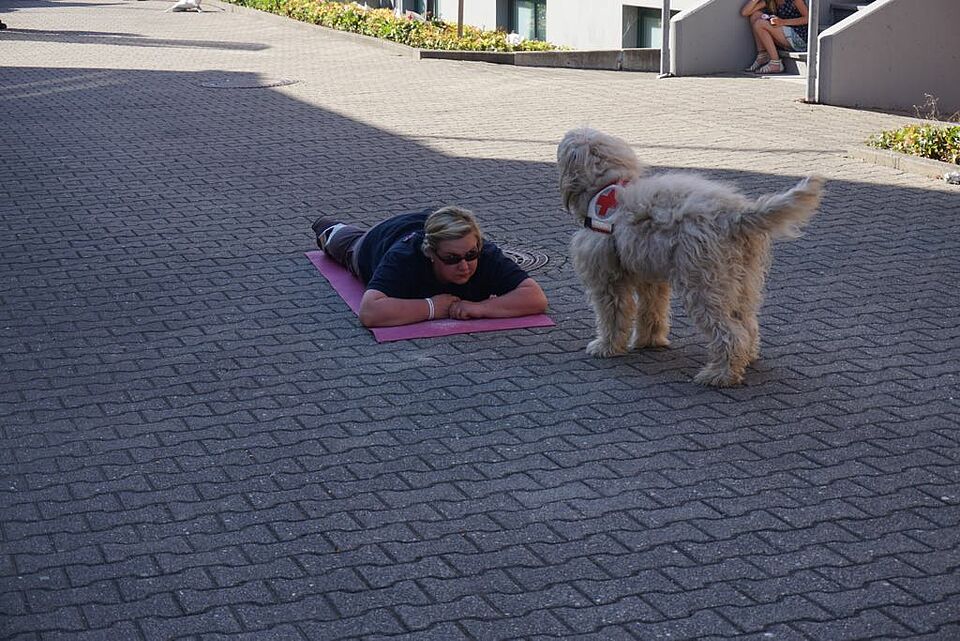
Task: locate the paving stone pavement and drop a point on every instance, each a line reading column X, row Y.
column 201, row 442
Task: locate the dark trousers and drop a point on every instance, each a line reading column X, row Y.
column 343, row 245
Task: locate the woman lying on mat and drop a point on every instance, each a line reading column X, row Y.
column 423, row 266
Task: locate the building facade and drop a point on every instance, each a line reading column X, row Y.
column 579, row 24
column 878, row 54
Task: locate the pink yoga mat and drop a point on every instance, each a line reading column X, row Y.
column 351, row 290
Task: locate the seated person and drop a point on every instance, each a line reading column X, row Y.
column 425, row 265
column 775, row 24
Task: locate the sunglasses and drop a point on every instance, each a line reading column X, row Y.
column 454, row 259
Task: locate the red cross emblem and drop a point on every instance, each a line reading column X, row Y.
column 606, row 202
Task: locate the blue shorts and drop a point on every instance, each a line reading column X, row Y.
column 796, row 42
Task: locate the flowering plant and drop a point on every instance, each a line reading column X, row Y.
column 384, row 24
column 938, row 142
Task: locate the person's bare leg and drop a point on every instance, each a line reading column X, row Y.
column 772, row 37
column 765, row 36
column 762, row 56
column 754, row 18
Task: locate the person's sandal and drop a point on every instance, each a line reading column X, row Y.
column 774, row 66
column 762, row 59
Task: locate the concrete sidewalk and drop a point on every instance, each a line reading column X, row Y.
column 201, row 442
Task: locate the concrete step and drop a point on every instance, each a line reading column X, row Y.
column 794, row 62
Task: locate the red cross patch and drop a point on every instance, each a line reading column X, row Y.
column 606, row 202
column 603, row 209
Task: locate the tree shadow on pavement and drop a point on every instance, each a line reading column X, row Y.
column 166, row 170
column 173, row 360
column 123, row 40
column 10, row 6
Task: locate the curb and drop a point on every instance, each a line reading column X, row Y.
column 599, row 59
column 904, row 162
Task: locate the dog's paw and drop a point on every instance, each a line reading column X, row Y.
column 655, row 342
column 718, row 376
column 600, row 348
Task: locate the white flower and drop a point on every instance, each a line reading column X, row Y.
column 514, row 39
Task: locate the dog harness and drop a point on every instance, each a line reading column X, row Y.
column 603, row 208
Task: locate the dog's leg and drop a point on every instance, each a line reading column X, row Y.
column 653, row 315
column 609, row 290
column 727, row 341
column 756, row 262
column 614, row 308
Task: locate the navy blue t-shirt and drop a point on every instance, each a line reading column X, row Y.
column 391, row 262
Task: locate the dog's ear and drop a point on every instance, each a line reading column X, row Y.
column 578, row 163
column 615, row 156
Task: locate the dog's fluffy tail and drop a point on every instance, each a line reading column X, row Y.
column 782, row 215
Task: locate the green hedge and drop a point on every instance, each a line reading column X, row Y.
column 929, row 141
column 382, row 23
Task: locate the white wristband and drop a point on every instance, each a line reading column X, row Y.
column 432, row 309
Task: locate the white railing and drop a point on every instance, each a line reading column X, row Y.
column 813, row 31
column 665, row 41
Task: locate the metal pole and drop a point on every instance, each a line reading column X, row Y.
column 665, row 41
column 813, row 48
column 460, row 19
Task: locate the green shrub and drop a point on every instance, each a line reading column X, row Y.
column 382, row 23
column 938, row 142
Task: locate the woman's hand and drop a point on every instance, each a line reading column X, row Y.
column 379, row 310
column 443, row 305
column 527, row 298
column 465, row 310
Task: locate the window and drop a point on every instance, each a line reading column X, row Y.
column 642, row 28
column 421, row 6
column 529, row 18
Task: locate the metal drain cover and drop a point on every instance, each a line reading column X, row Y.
column 246, row 82
column 527, row 259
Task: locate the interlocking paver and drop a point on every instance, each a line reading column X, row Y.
column 201, row 442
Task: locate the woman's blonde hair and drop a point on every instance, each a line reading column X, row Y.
column 449, row 223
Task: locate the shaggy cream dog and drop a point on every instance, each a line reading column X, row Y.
column 644, row 235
